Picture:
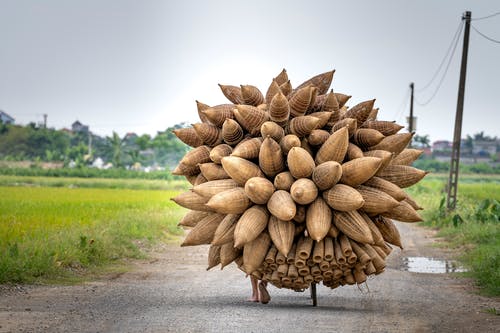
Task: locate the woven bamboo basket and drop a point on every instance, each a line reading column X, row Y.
column 327, row 174
column 385, row 186
column 250, row 225
column 335, row 148
column 303, row 125
column 296, row 186
column 232, row 133
column 225, row 230
column 211, row 188
column 394, row 143
column 272, row 130
column 343, row 198
column 300, row 163
column 188, row 136
column 407, row 156
column 360, row 111
column 240, row 169
column 376, row 201
column 192, row 218
column 220, row 151
column 203, row 232
column 385, row 127
column 250, row 117
column 192, row 200
column 219, row 113
column 213, row 171
column 213, row 256
column 228, row 254
column 402, row 175
column 318, row 219
column 303, row 191
column 282, row 234
column 359, row 170
column 259, row 190
column 251, row 95
column 271, row 160
column 210, row 134
column 232, row 201
column 255, row 252
column 282, row 205
column 248, row 149
column 353, row 151
column 354, row 226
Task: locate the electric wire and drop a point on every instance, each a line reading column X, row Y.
column 485, row 17
column 442, row 77
column 484, row 36
column 455, row 36
column 402, row 106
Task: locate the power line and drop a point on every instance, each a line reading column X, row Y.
column 444, row 74
column 484, row 36
column 455, row 36
column 402, row 106
column 485, row 17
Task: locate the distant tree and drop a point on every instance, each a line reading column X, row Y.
column 14, row 142
column 143, row 141
column 3, row 127
column 468, row 141
column 422, row 141
column 480, row 136
column 76, row 154
column 117, row 145
column 135, row 157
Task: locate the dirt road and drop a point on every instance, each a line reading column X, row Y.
column 174, row 293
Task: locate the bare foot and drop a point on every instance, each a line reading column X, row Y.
column 264, row 295
column 253, row 299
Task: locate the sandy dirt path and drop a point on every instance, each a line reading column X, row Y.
column 173, row 293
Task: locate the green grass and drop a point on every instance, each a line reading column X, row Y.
column 59, row 233
column 135, row 184
column 473, row 228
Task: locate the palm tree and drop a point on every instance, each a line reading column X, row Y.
column 117, row 145
column 422, row 141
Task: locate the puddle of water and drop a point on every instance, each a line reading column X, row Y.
column 431, row 265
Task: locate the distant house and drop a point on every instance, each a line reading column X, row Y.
column 484, row 148
column 79, row 127
column 441, row 145
column 5, row 118
column 130, row 136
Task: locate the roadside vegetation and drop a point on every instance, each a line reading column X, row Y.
column 473, row 228
column 64, row 233
column 110, row 183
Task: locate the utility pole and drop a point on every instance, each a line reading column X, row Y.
column 410, row 119
column 44, row 120
column 455, row 153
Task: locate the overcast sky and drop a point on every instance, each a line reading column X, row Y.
column 139, row 66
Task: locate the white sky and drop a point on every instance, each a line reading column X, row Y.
column 140, row 65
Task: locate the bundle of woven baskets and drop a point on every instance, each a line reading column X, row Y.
column 294, row 186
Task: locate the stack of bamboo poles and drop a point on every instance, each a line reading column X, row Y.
column 295, row 187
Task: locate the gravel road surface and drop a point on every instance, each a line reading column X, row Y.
column 172, row 292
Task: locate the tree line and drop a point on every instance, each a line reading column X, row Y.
column 36, row 143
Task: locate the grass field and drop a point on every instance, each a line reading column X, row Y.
column 473, row 228
column 52, row 233
column 134, row 184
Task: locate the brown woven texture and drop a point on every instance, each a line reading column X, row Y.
column 296, row 186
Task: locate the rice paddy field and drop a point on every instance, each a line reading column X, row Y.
column 60, row 229
column 61, row 233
